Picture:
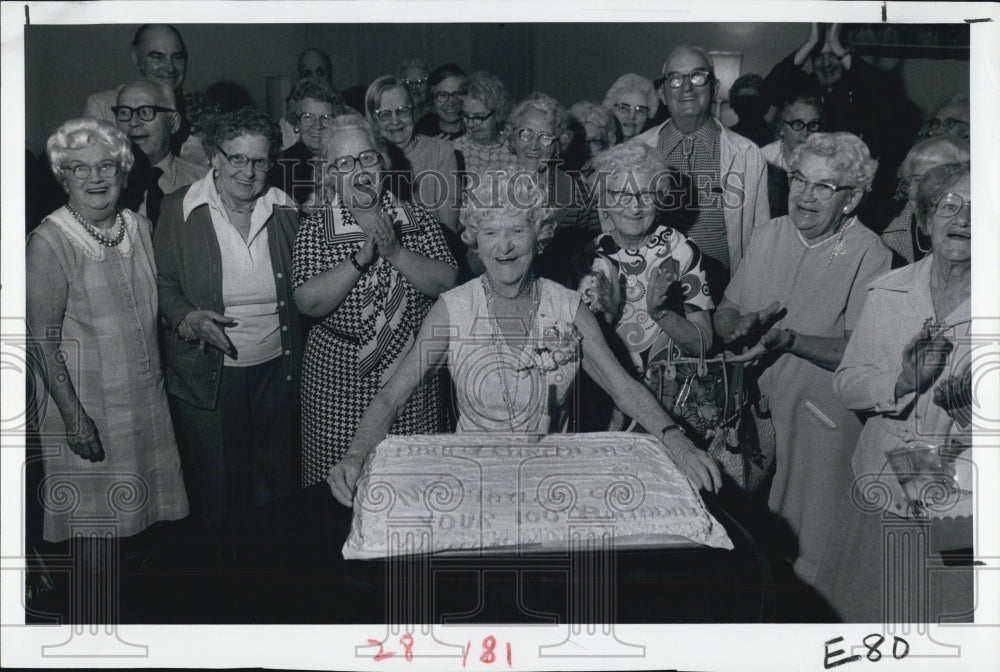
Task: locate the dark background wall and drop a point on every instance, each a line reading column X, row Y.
column 64, row 64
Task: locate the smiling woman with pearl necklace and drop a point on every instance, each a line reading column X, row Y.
column 92, row 310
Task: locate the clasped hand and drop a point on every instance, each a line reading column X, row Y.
column 381, row 242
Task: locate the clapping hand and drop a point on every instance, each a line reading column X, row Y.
column 752, row 324
column 367, row 252
column 954, row 395
column 664, row 292
column 385, row 236
column 923, row 359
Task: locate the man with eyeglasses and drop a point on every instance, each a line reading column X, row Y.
column 159, row 54
column 146, row 112
column 720, row 177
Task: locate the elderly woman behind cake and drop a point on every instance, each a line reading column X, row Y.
column 513, row 344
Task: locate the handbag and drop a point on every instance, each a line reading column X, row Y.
column 722, row 412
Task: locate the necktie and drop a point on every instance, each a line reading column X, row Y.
column 687, row 147
column 154, row 195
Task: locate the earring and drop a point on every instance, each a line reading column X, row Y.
column 215, row 173
column 295, row 128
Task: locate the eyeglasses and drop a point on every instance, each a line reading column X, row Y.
column 950, row 205
column 529, row 136
column 797, row 125
column 629, row 198
column 240, row 161
column 675, row 80
column 346, row 163
column 821, row 191
column 387, row 115
column 944, row 125
column 124, row 113
column 415, row 82
column 631, row 111
column 308, row 120
column 475, row 119
column 596, row 144
column 445, row 96
column 81, row 171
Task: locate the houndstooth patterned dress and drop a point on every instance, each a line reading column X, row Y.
column 335, row 390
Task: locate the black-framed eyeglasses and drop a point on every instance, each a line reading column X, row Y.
column 415, row 82
column 240, row 161
column 124, row 113
column 798, row 125
column 632, row 111
column 475, row 119
column 445, row 96
column 629, row 198
column 675, row 80
column 821, row 191
column 387, row 115
column 308, row 120
column 528, row 135
column 346, row 163
column 82, row 171
column 950, row 205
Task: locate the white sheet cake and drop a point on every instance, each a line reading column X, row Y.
column 473, row 492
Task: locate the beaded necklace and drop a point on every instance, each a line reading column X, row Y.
column 94, row 232
column 496, row 335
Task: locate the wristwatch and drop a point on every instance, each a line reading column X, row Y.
column 791, row 339
column 669, row 428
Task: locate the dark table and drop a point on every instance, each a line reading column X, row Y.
column 283, row 564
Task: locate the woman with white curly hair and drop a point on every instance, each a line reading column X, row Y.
column 92, row 309
column 535, row 129
column 798, row 292
column 644, row 279
column 633, row 101
column 513, row 344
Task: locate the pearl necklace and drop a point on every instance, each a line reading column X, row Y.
column 496, row 335
column 838, row 248
column 94, row 232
